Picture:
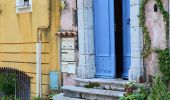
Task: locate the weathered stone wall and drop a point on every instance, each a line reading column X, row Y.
column 156, row 28
column 68, row 16
column 68, row 22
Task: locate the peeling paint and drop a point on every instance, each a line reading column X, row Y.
column 68, row 23
column 68, row 79
column 68, row 16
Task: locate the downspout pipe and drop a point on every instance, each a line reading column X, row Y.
column 40, row 29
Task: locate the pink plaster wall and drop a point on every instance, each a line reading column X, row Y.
column 68, row 16
column 156, row 28
column 68, row 23
column 68, row 79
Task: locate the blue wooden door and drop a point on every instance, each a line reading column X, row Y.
column 104, row 38
column 126, row 38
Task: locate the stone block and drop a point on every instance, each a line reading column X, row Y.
column 106, row 98
column 135, row 2
column 80, row 4
column 89, row 96
column 71, row 94
column 134, row 12
column 117, row 88
column 105, row 85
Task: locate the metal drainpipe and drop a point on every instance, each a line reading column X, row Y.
column 38, row 69
column 39, row 54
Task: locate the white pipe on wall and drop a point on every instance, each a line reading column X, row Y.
column 38, row 69
column 46, row 27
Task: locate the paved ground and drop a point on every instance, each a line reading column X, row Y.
column 61, row 97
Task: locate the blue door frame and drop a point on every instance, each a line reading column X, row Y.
column 104, row 38
column 126, row 38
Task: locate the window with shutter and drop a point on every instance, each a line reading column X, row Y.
column 23, row 6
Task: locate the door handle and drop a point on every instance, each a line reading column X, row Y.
column 128, row 21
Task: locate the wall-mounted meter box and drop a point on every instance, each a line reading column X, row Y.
column 53, row 80
column 68, row 44
column 68, row 55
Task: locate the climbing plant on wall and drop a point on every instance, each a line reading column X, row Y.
column 142, row 19
column 163, row 55
column 165, row 18
column 164, row 63
column 147, row 40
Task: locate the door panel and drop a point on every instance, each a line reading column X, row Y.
column 104, row 38
column 126, row 38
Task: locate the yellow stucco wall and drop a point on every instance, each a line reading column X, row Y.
column 18, row 36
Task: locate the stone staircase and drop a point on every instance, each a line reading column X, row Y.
column 95, row 89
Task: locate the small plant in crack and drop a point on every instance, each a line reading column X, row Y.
column 92, row 85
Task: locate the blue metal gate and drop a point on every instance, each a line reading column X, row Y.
column 126, row 38
column 104, row 38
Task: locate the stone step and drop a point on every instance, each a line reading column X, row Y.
column 107, row 84
column 90, row 93
column 61, row 97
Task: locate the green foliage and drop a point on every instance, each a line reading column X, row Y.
column 37, row 98
column 42, row 98
column 92, row 85
column 7, row 84
column 159, row 90
column 9, row 98
column 166, row 18
column 162, row 10
column 164, row 62
column 147, row 40
column 135, row 96
column 50, row 96
column 135, row 91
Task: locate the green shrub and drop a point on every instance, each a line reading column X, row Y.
column 164, row 63
column 7, row 84
column 135, row 91
column 156, row 91
column 9, row 98
column 37, row 98
column 159, row 90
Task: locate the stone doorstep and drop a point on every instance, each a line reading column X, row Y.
column 61, row 97
column 91, row 91
column 110, row 84
column 118, row 81
column 67, row 98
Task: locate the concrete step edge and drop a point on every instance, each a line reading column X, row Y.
column 93, row 91
column 62, row 97
column 104, row 81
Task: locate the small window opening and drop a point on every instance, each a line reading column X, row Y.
column 155, row 8
column 26, row 3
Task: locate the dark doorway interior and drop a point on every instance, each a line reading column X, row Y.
column 118, row 37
